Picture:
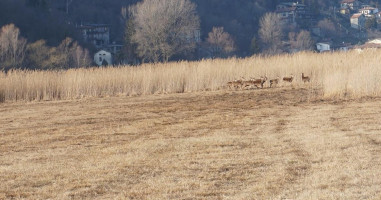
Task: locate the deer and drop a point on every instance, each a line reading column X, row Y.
column 274, row 81
column 305, row 78
column 289, row 79
column 255, row 82
column 236, row 83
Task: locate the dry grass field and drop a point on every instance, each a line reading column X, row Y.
column 281, row 143
column 341, row 75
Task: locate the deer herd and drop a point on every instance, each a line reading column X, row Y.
column 259, row 82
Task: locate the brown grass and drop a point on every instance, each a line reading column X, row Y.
column 256, row 144
column 341, row 75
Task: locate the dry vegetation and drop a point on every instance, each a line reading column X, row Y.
column 272, row 143
column 253, row 144
column 340, row 75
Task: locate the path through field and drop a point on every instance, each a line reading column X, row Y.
column 258, row 144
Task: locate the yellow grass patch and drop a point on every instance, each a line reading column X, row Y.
column 341, row 75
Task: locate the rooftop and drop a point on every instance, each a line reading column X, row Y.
column 368, row 8
column 348, row 1
column 357, row 15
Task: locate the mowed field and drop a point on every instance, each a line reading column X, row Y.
column 278, row 143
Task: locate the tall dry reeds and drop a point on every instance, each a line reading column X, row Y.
column 350, row 75
column 358, row 75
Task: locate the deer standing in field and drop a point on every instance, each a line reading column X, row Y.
column 255, row 82
column 305, row 78
column 236, row 84
column 274, row 81
column 289, row 79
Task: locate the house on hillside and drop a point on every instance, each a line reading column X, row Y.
column 353, row 5
column 358, row 21
column 368, row 11
column 103, row 58
column 99, row 36
column 300, row 8
column 96, row 34
column 290, row 11
column 323, row 47
column 287, row 15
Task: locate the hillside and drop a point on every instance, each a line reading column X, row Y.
column 255, row 144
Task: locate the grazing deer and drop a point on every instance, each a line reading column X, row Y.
column 288, row 79
column 274, row 81
column 305, row 78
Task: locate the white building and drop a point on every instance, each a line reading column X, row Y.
column 351, row 4
column 103, row 58
column 358, row 21
column 322, row 47
column 368, row 11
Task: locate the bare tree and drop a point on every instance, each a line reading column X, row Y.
column 221, row 42
column 12, row 47
column 67, row 55
column 38, row 54
column 292, row 39
column 81, row 57
column 304, row 41
column 270, row 32
column 164, row 28
column 71, row 55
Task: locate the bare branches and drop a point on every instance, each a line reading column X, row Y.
column 12, row 47
column 271, row 32
column 164, row 28
column 304, row 41
column 67, row 55
column 220, row 41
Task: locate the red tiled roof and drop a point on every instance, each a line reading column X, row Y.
column 357, row 15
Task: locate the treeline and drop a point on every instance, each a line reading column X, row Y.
column 37, row 21
column 227, row 27
column 175, row 34
column 16, row 52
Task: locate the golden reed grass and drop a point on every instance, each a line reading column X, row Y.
column 341, row 75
